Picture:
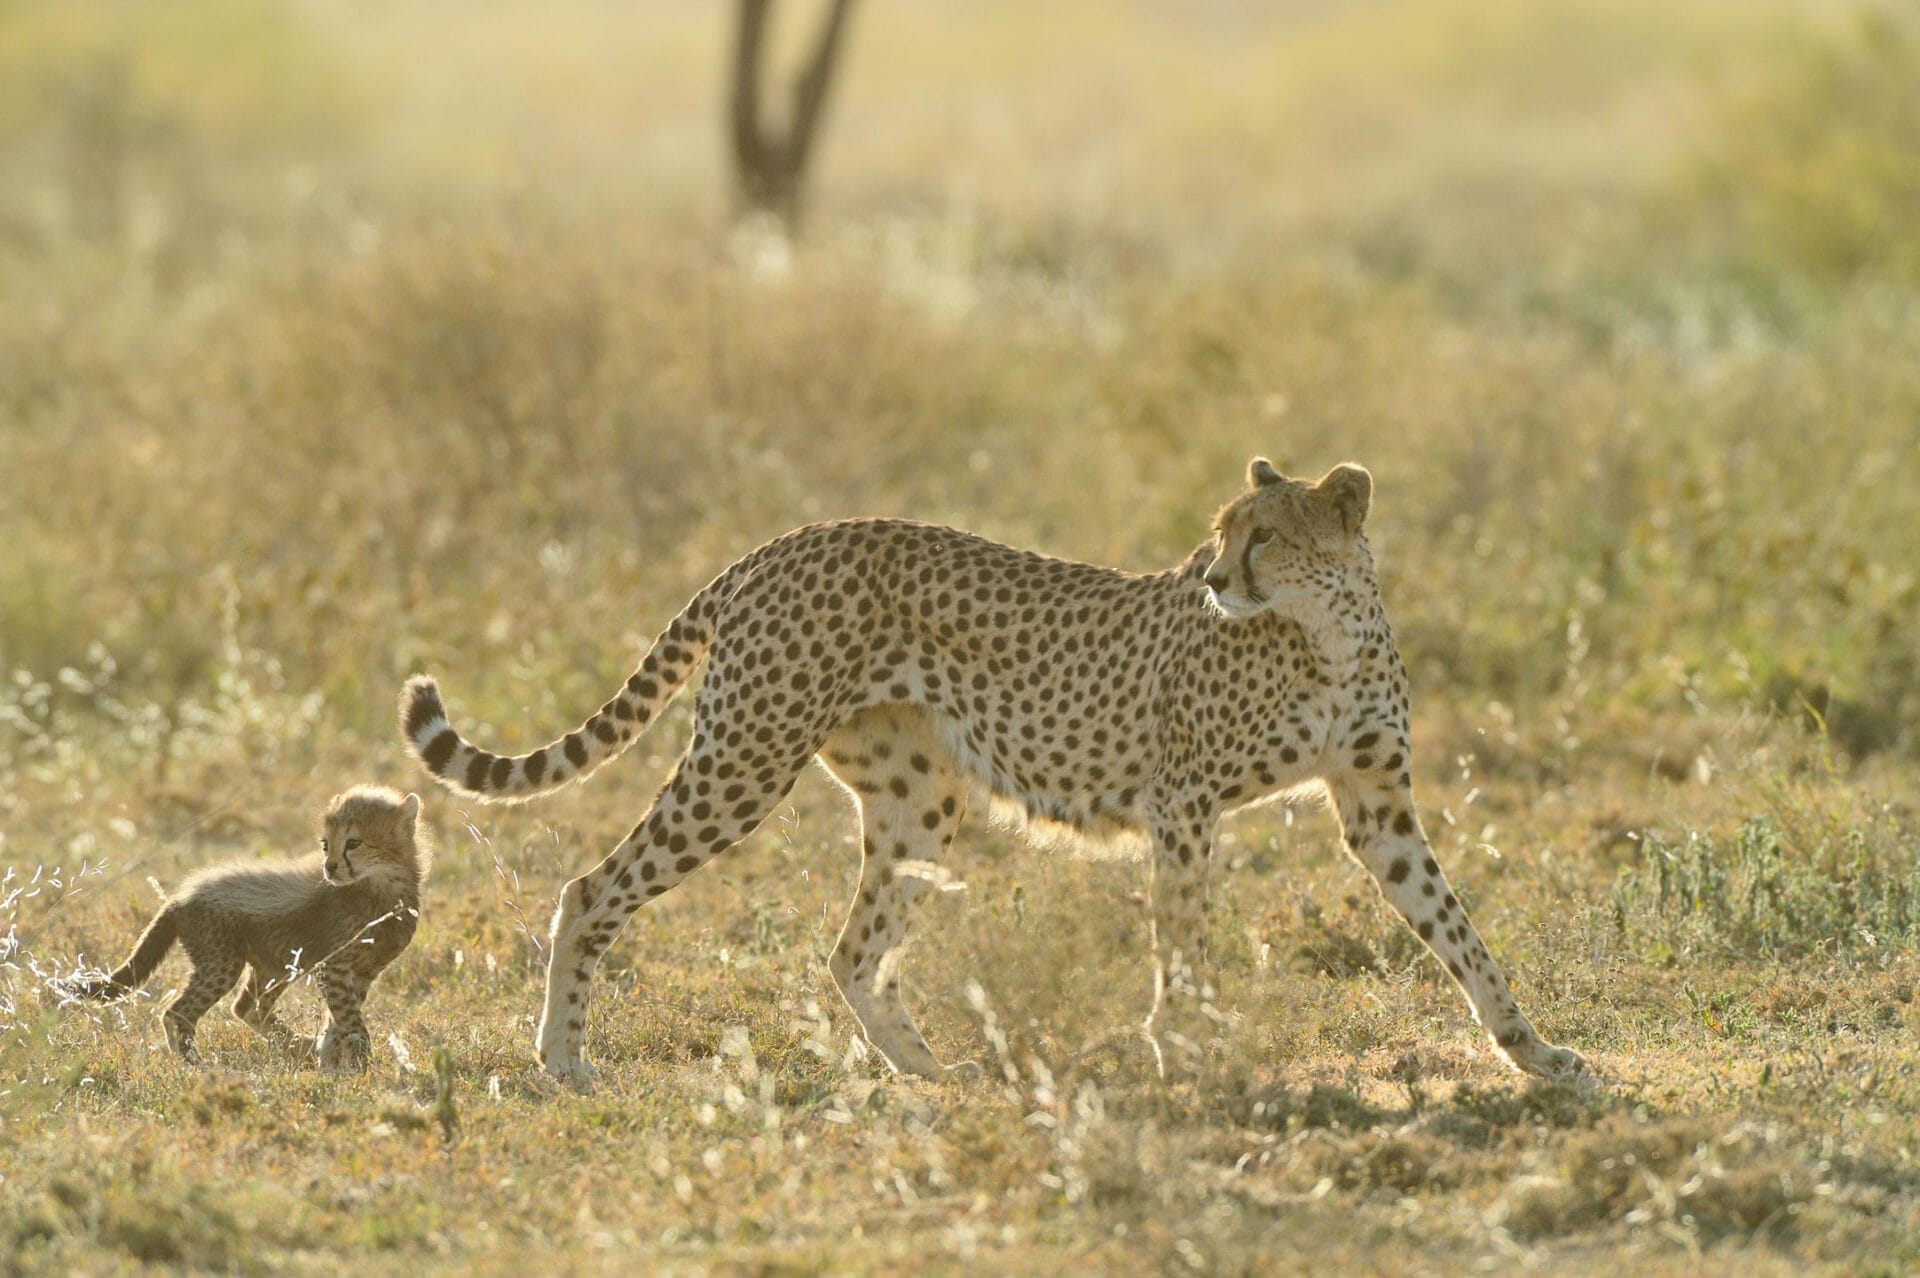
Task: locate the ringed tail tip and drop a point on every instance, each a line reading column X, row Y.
column 423, row 721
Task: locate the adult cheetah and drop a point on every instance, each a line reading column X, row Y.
column 918, row 662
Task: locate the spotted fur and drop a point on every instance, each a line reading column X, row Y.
column 920, row 663
column 346, row 911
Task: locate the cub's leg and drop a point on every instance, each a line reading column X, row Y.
column 910, row 802
column 255, row 1008
column 1383, row 833
column 345, row 1041
column 1182, row 837
column 217, row 963
column 716, row 797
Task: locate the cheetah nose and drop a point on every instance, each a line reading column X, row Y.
column 1216, row 581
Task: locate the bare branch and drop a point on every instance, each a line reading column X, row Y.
column 770, row 164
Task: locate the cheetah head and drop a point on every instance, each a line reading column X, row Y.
column 372, row 835
column 1289, row 544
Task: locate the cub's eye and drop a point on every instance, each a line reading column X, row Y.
column 351, row 845
column 323, row 845
column 1260, row 537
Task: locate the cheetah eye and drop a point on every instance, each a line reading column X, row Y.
column 323, row 846
column 1260, row 537
column 351, row 845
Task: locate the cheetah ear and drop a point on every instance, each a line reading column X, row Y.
column 410, row 810
column 1350, row 490
column 1260, row 473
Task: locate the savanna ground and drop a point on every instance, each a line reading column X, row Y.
column 340, row 342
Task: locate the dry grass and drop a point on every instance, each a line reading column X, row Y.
column 326, row 361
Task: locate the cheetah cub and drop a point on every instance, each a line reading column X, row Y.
column 348, row 910
column 924, row 665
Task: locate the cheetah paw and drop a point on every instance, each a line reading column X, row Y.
column 345, row 1052
column 1557, row 1064
column 964, row 1071
column 573, row 1070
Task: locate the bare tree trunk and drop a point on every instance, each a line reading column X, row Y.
column 769, row 168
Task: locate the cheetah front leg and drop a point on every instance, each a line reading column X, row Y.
column 1182, row 848
column 1383, row 833
column 345, row 1042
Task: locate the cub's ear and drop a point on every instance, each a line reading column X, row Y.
column 1349, row 489
column 410, row 810
column 1260, row 473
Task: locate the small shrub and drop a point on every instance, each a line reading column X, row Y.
column 1756, row 894
column 1405, row 1161
column 1538, row 1104
column 1814, row 168
column 1681, row 1176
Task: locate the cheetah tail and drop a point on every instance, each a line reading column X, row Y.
column 468, row 770
column 131, row 975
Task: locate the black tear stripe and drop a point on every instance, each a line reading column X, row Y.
column 1246, row 565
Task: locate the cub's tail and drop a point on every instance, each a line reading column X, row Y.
column 131, row 975
column 492, row 778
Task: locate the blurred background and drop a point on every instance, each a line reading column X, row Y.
column 341, row 340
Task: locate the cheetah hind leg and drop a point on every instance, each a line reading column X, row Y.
column 216, row 969
column 910, row 804
column 680, row 833
column 255, row 1007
